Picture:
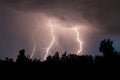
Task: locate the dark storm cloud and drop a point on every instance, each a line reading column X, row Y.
column 104, row 13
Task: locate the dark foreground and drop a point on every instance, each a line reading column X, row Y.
column 59, row 71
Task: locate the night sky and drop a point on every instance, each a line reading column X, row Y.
column 19, row 20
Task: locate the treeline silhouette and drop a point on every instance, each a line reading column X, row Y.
column 84, row 65
column 110, row 56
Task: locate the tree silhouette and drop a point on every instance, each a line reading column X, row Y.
column 64, row 57
column 21, row 58
column 9, row 60
column 106, row 47
column 49, row 58
column 36, row 60
column 56, row 57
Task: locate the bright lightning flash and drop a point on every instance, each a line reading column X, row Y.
column 53, row 39
column 78, row 40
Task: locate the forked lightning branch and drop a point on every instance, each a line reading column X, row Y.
column 53, row 40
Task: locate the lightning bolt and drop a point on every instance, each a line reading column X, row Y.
column 52, row 29
column 51, row 44
column 34, row 46
column 78, row 40
column 53, row 39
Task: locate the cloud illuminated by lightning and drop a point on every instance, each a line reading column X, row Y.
column 78, row 40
